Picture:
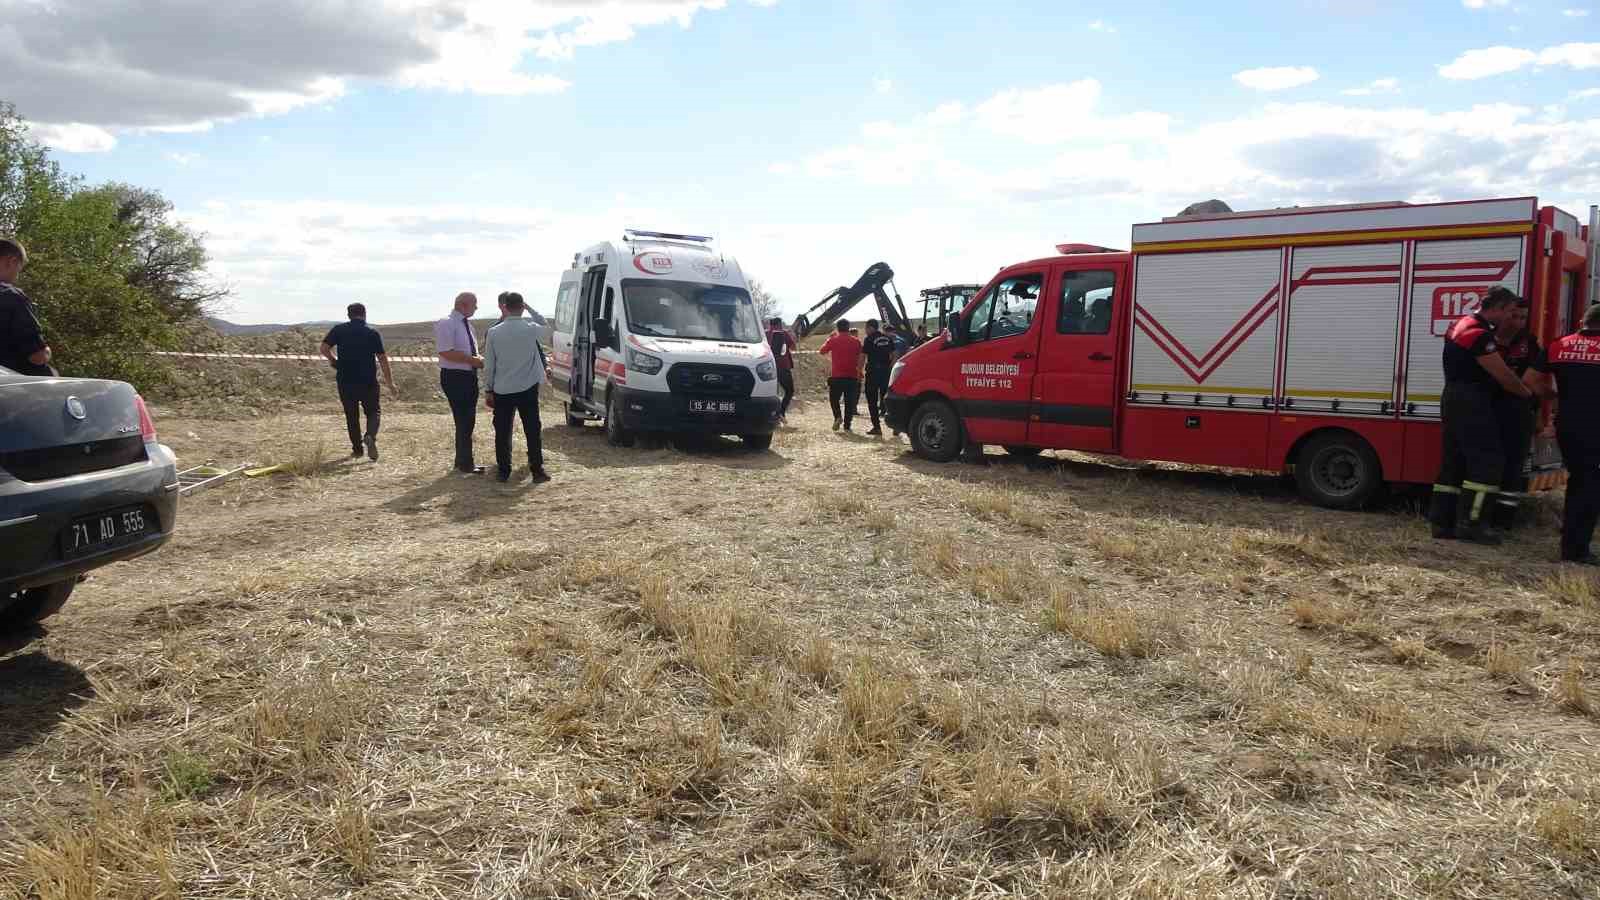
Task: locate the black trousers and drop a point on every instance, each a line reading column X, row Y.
column 461, row 389
column 507, row 406
column 358, row 398
column 847, row 390
column 1582, row 457
column 1472, row 460
column 1516, row 418
column 877, row 389
column 786, row 387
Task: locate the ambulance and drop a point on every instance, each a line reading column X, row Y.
column 657, row 334
column 1301, row 340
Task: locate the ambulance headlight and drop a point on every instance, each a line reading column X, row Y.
column 766, row 370
column 643, row 363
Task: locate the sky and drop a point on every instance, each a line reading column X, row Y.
column 397, row 152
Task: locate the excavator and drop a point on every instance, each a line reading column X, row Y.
column 841, row 299
column 938, row 303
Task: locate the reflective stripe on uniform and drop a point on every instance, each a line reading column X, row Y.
column 1446, row 489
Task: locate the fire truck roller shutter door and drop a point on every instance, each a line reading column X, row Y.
column 1206, row 323
column 1344, row 303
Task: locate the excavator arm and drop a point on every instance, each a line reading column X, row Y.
column 840, row 300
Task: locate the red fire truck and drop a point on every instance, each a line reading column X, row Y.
column 1302, row 340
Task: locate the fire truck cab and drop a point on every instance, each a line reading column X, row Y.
column 1303, row 340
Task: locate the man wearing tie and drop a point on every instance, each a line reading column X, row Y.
column 459, row 363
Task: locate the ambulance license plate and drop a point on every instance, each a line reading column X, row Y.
column 712, row 406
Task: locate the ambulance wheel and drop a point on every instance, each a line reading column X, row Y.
column 1338, row 470
column 756, row 442
column 616, row 434
column 936, row 432
column 1024, row 452
column 572, row 420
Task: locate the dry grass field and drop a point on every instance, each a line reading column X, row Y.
column 829, row 670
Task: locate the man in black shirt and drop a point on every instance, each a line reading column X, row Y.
column 22, row 346
column 880, row 353
column 1472, row 458
column 1574, row 361
column 360, row 352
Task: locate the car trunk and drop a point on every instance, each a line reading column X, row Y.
column 58, row 427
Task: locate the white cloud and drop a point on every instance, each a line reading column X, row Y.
column 1586, row 94
column 73, row 137
column 182, row 159
column 1279, row 154
column 1102, row 26
column 1483, row 63
column 882, row 85
column 946, row 114
column 1058, row 113
column 1276, row 78
column 120, row 66
column 1379, row 86
column 1574, row 13
column 1483, row 4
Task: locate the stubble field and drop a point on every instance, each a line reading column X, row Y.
column 828, row 670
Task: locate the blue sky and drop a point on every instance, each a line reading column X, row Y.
column 398, row 151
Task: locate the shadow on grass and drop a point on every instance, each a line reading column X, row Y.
column 36, row 692
column 465, row 498
column 587, row 447
column 1184, row 493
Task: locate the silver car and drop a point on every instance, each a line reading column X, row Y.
column 83, row 483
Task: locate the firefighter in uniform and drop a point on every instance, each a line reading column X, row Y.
column 1574, row 362
column 1521, row 350
column 1472, row 458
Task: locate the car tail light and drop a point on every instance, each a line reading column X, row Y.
column 147, row 425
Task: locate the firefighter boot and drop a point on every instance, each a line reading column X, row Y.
column 1472, row 510
column 1503, row 512
column 1442, row 511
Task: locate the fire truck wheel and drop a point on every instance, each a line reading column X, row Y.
column 572, row 420
column 1337, row 470
column 1025, row 452
column 616, row 434
column 936, row 432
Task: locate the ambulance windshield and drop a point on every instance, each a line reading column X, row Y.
column 684, row 309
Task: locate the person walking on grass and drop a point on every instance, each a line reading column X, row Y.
column 355, row 350
column 513, row 369
column 844, row 381
column 459, row 363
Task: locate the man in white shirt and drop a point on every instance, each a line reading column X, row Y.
column 459, row 363
column 513, row 369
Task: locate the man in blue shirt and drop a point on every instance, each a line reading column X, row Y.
column 359, row 354
column 513, row 369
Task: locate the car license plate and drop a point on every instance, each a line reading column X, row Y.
column 712, row 406
column 106, row 530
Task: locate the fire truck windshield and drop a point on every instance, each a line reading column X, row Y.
column 690, row 310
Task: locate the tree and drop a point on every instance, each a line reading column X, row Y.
column 766, row 304
column 168, row 261
column 109, row 270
